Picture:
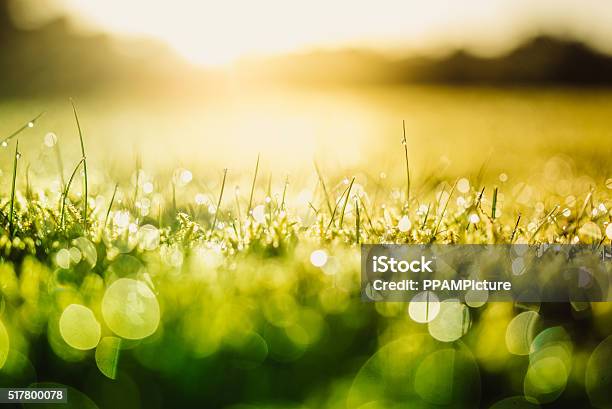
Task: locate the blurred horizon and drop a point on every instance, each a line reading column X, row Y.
column 52, row 47
column 214, row 34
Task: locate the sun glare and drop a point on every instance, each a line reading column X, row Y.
column 216, row 33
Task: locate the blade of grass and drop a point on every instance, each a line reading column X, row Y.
column 426, row 216
column 253, row 186
column 494, row 205
column 518, row 220
column 269, row 199
column 450, row 195
column 85, row 196
column 333, row 215
column 237, row 199
column 405, row 143
column 365, row 212
column 282, row 206
column 357, row 221
column 12, row 207
column 543, row 222
column 348, row 194
column 110, row 206
column 65, row 195
column 27, row 125
column 327, row 201
column 220, row 198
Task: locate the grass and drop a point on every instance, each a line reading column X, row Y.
column 85, row 193
column 242, row 291
column 13, row 181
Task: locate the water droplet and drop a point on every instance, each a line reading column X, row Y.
column 50, row 139
column 147, row 187
column 259, row 214
column 404, row 224
column 200, row 198
column 463, row 185
column 318, row 258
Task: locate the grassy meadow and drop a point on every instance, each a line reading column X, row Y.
column 206, row 248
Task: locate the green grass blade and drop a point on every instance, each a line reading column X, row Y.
column 110, row 206
column 27, row 125
column 405, row 143
column 84, row 160
column 333, row 215
column 348, row 194
column 357, row 221
column 327, row 201
column 65, row 195
column 518, row 220
column 219, row 202
column 253, row 186
column 494, row 205
column 13, row 183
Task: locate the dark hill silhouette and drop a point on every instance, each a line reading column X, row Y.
column 52, row 60
column 543, row 60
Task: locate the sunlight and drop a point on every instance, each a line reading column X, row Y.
column 217, row 33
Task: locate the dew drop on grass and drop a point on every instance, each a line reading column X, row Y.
column 259, row 214
column 404, row 224
column 520, row 332
column 598, row 375
column 50, row 139
column 30, row 124
column 200, row 199
column 107, row 356
column 318, row 258
column 147, row 187
column 463, row 185
column 4, row 345
column 4, row 144
column 148, row 237
column 424, row 307
column 451, row 323
column 130, row 309
column 79, row 327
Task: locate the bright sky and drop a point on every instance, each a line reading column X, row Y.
column 217, row 32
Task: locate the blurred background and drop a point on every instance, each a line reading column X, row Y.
column 225, row 81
